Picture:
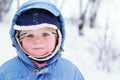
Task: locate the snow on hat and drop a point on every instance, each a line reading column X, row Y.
column 34, row 19
column 37, row 16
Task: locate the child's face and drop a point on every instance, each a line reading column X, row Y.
column 39, row 42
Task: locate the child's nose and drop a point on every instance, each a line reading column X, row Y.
column 38, row 40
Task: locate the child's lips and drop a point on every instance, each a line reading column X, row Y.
column 38, row 48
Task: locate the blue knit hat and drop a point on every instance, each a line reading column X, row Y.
column 37, row 16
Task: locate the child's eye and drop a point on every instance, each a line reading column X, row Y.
column 29, row 35
column 45, row 34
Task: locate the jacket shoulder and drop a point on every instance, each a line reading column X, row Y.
column 67, row 63
column 69, row 69
column 10, row 65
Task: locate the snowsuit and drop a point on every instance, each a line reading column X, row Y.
column 22, row 68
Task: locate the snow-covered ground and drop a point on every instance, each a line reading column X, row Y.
column 76, row 47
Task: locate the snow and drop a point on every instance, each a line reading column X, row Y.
column 77, row 48
column 6, row 50
column 74, row 51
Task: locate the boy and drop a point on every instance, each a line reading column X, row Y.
column 38, row 34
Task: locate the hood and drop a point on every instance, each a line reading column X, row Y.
column 39, row 4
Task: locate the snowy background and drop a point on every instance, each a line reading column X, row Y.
column 81, row 50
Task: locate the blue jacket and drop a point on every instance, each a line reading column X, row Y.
column 22, row 68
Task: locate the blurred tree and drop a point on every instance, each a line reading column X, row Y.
column 4, row 7
column 107, row 55
column 88, row 14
